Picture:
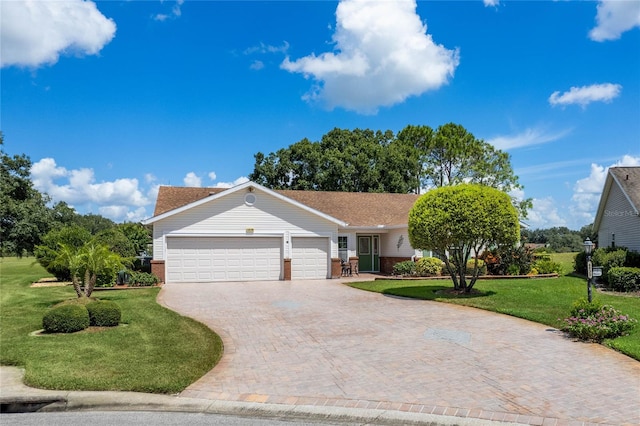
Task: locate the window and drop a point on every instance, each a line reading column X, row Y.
column 343, row 252
column 364, row 245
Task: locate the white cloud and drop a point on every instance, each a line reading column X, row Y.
column 587, row 191
column 491, row 3
column 584, row 95
column 240, row 180
column 36, row 32
column 615, row 17
column 531, row 136
column 544, row 214
column 149, row 178
column 176, row 12
column 212, row 175
column 256, row 65
column 378, row 44
column 191, row 179
column 121, row 199
column 267, row 48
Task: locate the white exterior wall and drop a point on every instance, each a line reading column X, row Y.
column 390, row 241
column 230, row 216
column 619, row 218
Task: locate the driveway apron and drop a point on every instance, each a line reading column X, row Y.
column 324, row 343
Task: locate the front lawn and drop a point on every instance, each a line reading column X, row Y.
column 154, row 350
column 539, row 300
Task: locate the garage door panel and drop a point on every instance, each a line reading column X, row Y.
column 309, row 258
column 205, row 259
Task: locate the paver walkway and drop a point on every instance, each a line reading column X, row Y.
column 323, row 343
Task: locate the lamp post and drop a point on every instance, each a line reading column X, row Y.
column 588, row 246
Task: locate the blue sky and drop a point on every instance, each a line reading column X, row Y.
column 112, row 99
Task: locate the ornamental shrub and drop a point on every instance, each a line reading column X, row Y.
column 66, row 319
column 580, row 263
column 624, row 279
column 481, row 266
column 547, row 267
column 595, row 322
column 608, row 258
column 142, row 279
column 104, row 313
column 429, row 266
column 408, row 267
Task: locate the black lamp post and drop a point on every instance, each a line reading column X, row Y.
column 588, row 246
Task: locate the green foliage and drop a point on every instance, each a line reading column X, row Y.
column 406, row 268
column 24, row 216
column 596, row 322
column 481, row 266
column 74, row 237
column 460, row 219
column 116, row 241
column 509, row 260
column 375, row 161
column 547, row 267
column 138, row 235
column 624, row 278
column 129, row 358
column 104, row 313
column 66, row 319
column 558, row 239
column 142, row 279
column 429, row 266
column 580, row 263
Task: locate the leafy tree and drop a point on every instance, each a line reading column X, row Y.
column 343, row 160
column 24, row 215
column 459, row 220
column 138, row 234
column 97, row 260
column 116, row 241
column 47, row 254
column 453, row 156
column 94, row 223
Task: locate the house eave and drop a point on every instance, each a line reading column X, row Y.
column 237, row 188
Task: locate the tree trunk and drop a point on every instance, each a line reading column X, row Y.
column 76, row 285
column 91, row 284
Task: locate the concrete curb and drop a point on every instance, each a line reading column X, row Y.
column 15, row 397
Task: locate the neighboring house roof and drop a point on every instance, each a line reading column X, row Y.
column 357, row 209
column 628, row 179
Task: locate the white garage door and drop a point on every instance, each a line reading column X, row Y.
column 206, row 259
column 309, row 258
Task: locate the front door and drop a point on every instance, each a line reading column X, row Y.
column 369, row 253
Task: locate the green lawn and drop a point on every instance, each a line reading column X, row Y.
column 565, row 259
column 155, row 350
column 539, row 300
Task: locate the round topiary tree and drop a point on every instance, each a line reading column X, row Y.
column 66, row 319
column 459, row 220
column 104, row 313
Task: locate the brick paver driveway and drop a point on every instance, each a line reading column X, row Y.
column 321, row 342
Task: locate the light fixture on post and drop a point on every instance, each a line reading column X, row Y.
column 588, row 247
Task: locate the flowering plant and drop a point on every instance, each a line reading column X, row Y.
column 596, row 322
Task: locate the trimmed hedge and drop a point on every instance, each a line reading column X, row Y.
column 547, row 267
column 66, row 319
column 142, row 279
column 429, row 266
column 104, row 313
column 407, row 267
column 624, row 278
